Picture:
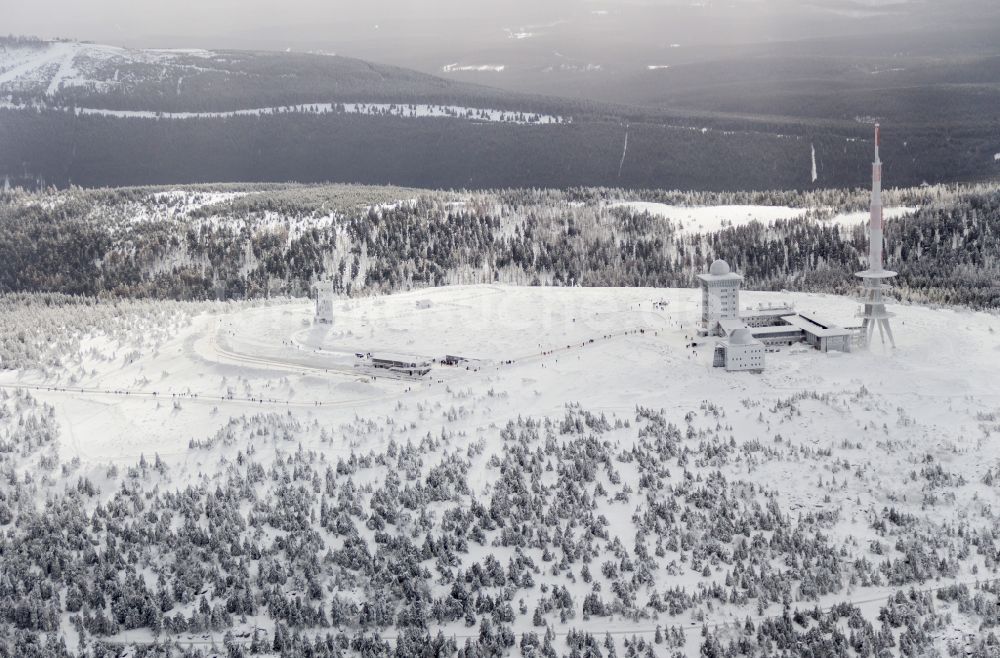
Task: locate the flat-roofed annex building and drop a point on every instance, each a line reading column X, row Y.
column 396, row 364
column 824, row 337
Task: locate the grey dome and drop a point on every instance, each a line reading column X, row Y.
column 719, row 268
column 741, row 337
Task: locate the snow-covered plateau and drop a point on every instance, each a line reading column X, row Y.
column 583, row 477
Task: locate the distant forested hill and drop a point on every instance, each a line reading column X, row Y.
column 84, row 114
column 73, row 74
column 252, row 241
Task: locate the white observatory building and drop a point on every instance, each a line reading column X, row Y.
column 720, row 296
column 324, row 302
column 873, row 311
column 740, row 351
column 746, row 336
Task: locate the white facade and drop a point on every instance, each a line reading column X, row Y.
column 740, row 352
column 324, row 302
column 720, row 296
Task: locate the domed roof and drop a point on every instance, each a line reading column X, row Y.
column 741, row 337
column 719, row 267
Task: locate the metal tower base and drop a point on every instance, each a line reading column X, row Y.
column 874, row 313
column 872, row 321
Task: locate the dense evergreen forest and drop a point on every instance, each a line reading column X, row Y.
column 57, row 147
column 251, row 241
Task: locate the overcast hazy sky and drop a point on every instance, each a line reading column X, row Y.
column 130, row 19
column 400, row 30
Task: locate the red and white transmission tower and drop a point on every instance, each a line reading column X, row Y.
column 874, row 286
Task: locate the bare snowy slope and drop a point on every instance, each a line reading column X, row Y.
column 701, row 498
column 203, row 82
column 45, row 68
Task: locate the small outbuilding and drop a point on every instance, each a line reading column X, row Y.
column 740, row 351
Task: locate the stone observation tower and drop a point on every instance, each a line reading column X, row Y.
column 873, row 279
column 324, row 302
column 720, row 296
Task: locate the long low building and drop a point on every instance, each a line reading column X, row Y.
column 397, row 364
column 765, row 316
column 824, row 337
column 777, row 335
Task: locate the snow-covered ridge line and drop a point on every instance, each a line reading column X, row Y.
column 403, row 110
column 489, row 68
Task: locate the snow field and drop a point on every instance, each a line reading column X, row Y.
column 835, row 435
column 709, row 219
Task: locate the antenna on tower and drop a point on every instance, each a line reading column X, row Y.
column 872, row 289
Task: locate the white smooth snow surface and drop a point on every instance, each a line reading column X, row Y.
column 59, row 64
column 499, row 323
column 859, row 218
column 488, row 68
column 708, row 219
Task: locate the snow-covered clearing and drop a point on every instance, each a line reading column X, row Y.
column 861, row 217
column 59, row 64
column 402, row 110
column 708, row 219
column 479, row 68
column 16, row 64
column 493, row 324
